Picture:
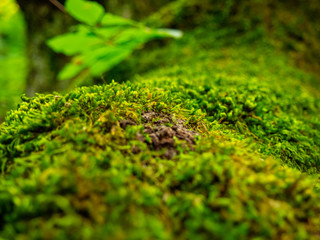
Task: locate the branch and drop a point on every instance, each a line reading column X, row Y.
column 58, row 5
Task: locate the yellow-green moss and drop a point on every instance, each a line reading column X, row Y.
column 69, row 172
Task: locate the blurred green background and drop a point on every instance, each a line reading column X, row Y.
column 12, row 55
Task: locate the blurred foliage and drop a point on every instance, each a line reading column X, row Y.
column 8, row 9
column 102, row 41
column 12, row 58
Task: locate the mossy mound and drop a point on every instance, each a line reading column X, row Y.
column 94, row 163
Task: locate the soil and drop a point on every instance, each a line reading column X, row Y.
column 162, row 129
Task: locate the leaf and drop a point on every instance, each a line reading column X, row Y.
column 73, row 43
column 103, row 58
column 71, row 69
column 114, row 20
column 167, row 32
column 92, row 56
column 133, row 37
column 108, row 32
column 108, row 61
column 85, row 11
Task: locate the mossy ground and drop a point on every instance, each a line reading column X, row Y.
column 70, row 169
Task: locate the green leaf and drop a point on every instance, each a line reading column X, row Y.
column 109, row 60
column 85, row 11
column 73, row 43
column 108, row 32
column 166, row 32
column 113, row 20
column 133, row 37
column 92, row 56
column 102, row 59
column 71, row 69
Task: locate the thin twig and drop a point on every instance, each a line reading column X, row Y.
column 58, row 5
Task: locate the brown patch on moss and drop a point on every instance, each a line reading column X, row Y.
column 162, row 129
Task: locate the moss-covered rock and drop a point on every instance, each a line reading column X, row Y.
column 241, row 127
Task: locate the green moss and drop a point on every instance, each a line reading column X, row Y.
column 69, row 169
column 290, row 25
column 246, row 86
